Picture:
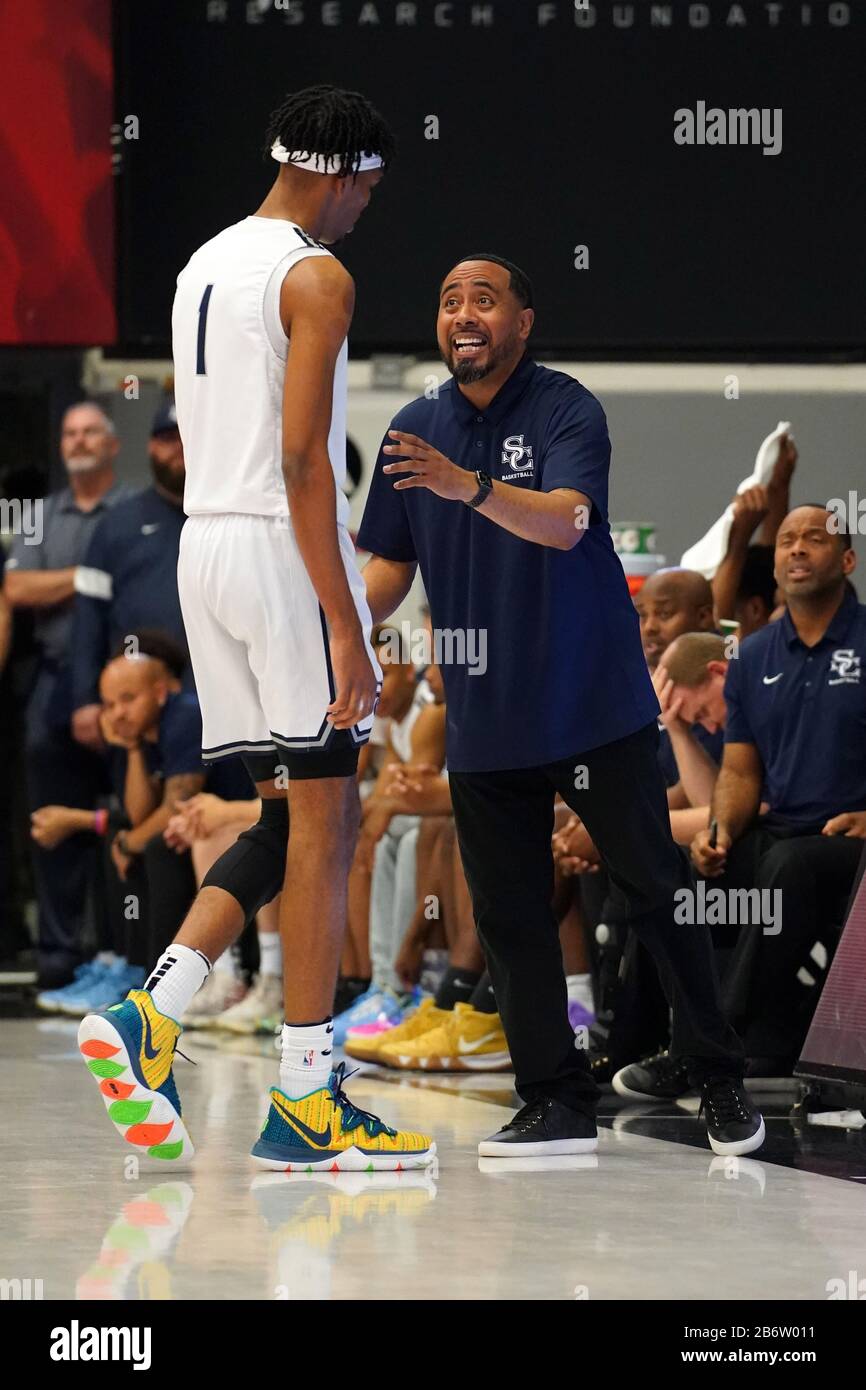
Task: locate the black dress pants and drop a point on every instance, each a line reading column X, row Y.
column 504, row 823
column 809, row 877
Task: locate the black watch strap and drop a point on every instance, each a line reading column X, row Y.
column 485, row 487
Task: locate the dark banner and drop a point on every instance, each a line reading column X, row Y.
column 680, row 178
column 57, row 263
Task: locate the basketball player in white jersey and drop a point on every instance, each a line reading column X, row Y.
column 279, row 634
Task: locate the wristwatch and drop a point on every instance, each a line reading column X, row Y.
column 485, row 487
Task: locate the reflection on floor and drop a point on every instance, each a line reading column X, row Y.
column 652, row 1214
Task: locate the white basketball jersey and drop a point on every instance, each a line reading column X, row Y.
column 230, row 354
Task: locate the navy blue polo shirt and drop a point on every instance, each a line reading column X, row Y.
column 804, row 709
column 127, row 580
column 564, row 667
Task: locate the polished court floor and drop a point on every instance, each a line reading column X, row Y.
column 652, row 1215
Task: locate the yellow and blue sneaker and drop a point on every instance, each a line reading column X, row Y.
column 324, row 1130
column 129, row 1050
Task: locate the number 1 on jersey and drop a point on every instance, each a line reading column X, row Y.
column 202, row 329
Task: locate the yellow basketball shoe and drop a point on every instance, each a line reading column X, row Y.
column 325, row 1130
column 129, row 1050
column 365, row 1045
column 465, row 1040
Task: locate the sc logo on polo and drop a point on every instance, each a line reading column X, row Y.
column 514, row 451
column 844, row 667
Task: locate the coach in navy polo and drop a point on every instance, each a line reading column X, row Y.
column 497, row 488
column 795, row 736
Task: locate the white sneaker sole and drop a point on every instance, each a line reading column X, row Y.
column 143, row 1118
column 744, row 1146
column 351, row 1160
column 488, row 1061
column 493, row 1148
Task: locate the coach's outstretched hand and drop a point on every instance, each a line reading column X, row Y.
column 429, row 468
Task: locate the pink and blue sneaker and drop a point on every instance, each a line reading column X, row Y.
column 369, row 1007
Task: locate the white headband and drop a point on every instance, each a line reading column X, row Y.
column 319, row 163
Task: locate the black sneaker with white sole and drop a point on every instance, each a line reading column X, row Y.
column 734, row 1126
column 542, row 1127
column 661, row 1077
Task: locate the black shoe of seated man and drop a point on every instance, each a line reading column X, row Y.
column 734, row 1126
column 661, row 1077
column 544, row 1126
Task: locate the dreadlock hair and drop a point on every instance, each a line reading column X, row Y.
column 332, row 122
column 519, row 282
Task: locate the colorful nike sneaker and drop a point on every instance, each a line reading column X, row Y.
column 369, row 1006
column 365, row 1044
column 465, row 1040
column 325, row 1130
column 129, row 1051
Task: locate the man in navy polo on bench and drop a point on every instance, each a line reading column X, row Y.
column 796, row 727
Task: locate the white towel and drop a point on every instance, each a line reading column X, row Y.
column 707, row 554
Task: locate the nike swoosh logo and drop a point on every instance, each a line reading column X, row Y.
column 304, row 1130
column 474, row 1046
column 149, row 1050
column 149, row 528
column 771, row 680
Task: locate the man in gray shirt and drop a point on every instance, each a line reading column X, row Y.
column 40, row 575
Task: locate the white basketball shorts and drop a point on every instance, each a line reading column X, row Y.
column 258, row 639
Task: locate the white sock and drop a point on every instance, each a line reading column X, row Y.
column 227, row 964
column 305, row 1058
column 177, row 976
column 580, row 988
column 270, row 953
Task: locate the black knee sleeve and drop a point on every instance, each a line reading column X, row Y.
column 254, row 868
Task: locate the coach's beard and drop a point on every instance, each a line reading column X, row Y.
column 466, row 373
